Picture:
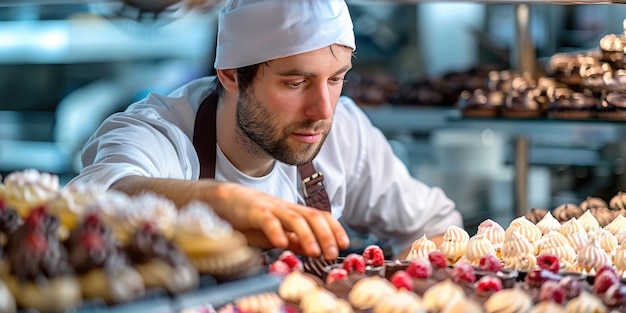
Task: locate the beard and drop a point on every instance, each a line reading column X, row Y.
column 260, row 133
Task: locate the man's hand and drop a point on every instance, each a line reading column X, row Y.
column 267, row 221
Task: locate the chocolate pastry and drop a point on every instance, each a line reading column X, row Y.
column 612, row 48
column 568, row 68
column 317, row 266
column 614, row 106
column 521, row 104
column 592, row 203
column 535, row 215
column 594, row 77
column 479, row 103
column 565, row 212
column 572, row 105
column 604, row 215
column 618, row 202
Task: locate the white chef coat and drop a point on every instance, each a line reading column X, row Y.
column 368, row 186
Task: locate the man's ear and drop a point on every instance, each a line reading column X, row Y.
column 228, row 78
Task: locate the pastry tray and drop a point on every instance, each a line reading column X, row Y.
column 208, row 294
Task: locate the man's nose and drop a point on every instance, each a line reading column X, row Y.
column 319, row 104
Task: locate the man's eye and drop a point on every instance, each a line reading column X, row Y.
column 296, row 84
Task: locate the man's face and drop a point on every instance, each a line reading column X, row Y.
column 287, row 111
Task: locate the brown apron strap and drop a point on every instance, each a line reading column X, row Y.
column 205, row 140
column 205, row 135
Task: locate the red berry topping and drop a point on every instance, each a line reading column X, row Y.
column 279, row 267
column 551, row 291
column 92, row 221
column 354, row 263
column 607, row 268
column 463, row 272
column 605, row 280
column 291, row 260
column 437, row 259
column 419, row 268
column 401, row 279
column 374, row 256
column 92, row 240
column 538, row 277
column 488, row 284
column 36, row 217
column 336, row 274
column 490, row 263
column 549, row 262
column 36, row 242
column 616, row 295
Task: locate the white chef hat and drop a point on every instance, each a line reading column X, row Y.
column 255, row 31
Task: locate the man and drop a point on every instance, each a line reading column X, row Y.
column 274, row 107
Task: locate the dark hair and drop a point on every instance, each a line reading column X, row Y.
column 245, row 76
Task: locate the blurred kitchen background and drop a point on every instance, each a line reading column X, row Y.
column 66, row 65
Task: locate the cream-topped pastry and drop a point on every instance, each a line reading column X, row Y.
column 322, row 301
column 295, row 286
column 402, row 301
column 160, row 211
column 592, row 257
column 618, row 224
column 262, row 302
column 113, row 208
column 554, row 243
column 585, row 303
column 211, row 244
column 441, row 295
column 522, row 262
column 513, row 300
column 477, row 247
column 589, row 222
column 619, row 260
column 547, row 307
column 454, row 243
column 493, row 232
column 421, row 248
column 369, row 291
column 571, row 226
column 526, row 228
column 621, row 236
column 72, row 202
column 548, row 223
column 592, row 203
column 606, row 240
column 516, row 244
column 28, row 189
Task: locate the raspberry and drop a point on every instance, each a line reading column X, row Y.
column 419, row 268
column 291, row 260
column 605, row 280
column 36, row 242
column 463, row 272
column 437, row 259
column 354, row 263
column 549, row 262
column 401, row 279
column 336, row 274
column 606, row 268
column 279, row 267
column 490, row 263
column 551, row 291
column 488, row 284
column 374, row 256
column 538, row 277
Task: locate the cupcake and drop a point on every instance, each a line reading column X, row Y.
column 554, row 243
column 420, row 248
column 101, row 269
column 589, row 222
column 28, row 189
column 295, row 286
column 592, row 257
column 212, row 246
column 493, row 232
column 443, row 294
column 40, row 277
column 477, row 247
column 159, row 262
column 618, row 224
column 454, row 243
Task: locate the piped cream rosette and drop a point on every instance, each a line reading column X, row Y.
column 548, row 223
column 125, row 214
column 526, row 228
column 591, row 258
column 72, row 202
column 28, row 189
column 554, row 243
column 478, row 246
column 211, row 243
column 454, row 243
column 518, row 253
column 421, row 248
column 494, row 233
